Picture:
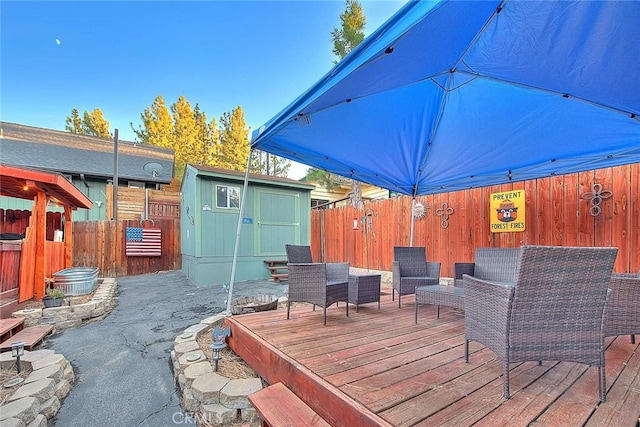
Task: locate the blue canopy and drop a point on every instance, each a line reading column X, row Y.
column 449, row 95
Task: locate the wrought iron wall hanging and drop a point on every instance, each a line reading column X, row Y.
column 595, row 197
column 443, row 212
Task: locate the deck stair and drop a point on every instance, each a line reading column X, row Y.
column 280, row 407
column 277, row 269
column 31, row 336
column 9, row 327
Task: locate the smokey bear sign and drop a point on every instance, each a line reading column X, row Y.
column 507, row 211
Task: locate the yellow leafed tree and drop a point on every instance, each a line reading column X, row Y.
column 233, row 148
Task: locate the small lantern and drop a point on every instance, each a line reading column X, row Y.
column 217, row 348
column 219, row 343
column 17, row 350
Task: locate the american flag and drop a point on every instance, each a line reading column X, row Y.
column 143, row 241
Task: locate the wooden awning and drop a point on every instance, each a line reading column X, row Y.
column 25, row 183
column 41, row 187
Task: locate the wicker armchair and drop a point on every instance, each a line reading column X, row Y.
column 298, row 253
column 554, row 311
column 319, row 284
column 623, row 307
column 302, row 254
column 410, row 269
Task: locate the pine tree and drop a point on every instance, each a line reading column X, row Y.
column 345, row 39
column 223, row 144
column 233, row 150
column 157, row 125
column 351, row 32
column 269, row 164
column 74, row 122
column 95, row 124
column 92, row 123
column 186, row 134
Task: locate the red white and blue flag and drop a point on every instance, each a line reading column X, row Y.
column 143, row 241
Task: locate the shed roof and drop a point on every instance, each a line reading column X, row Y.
column 70, row 153
column 253, row 177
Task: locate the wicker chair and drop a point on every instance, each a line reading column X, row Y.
column 302, row 254
column 554, row 311
column 623, row 307
column 298, row 253
column 319, row 284
column 411, row 269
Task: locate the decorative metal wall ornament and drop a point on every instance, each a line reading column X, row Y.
column 419, row 210
column 596, row 196
column 444, row 213
column 367, row 220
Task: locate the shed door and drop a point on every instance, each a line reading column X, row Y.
column 278, row 219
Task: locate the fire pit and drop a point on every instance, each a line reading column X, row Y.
column 253, row 304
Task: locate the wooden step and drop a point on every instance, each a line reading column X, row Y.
column 278, row 277
column 280, row 407
column 9, row 327
column 31, row 336
column 278, row 267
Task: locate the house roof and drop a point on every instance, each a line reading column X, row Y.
column 69, row 153
column 24, row 183
column 253, row 177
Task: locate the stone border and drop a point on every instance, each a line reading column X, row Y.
column 39, row 397
column 71, row 316
column 219, row 400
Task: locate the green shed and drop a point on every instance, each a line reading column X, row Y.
column 277, row 211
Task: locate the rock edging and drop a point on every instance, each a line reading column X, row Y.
column 218, row 399
column 71, row 316
column 39, row 397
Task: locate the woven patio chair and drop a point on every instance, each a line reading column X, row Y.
column 554, row 311
column 319, row 284
column 411, row 269
column 298, row 253
column 623, row 307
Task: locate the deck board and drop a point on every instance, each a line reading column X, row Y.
column 31, row 337
column 376, row 367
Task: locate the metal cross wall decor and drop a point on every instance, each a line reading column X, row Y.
column 444, row 212
column 596, row 196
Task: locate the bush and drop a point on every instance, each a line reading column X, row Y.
column 54, row 293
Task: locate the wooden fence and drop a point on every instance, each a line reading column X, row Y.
column 556, row 214
column 137, row 203
column 102, row 244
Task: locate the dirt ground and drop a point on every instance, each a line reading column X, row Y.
column 7, row 375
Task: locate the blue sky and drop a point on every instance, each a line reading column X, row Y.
column 119, row 55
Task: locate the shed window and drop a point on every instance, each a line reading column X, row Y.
column 227, row 197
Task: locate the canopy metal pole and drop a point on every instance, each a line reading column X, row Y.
column 413, row 209
column 235, row 249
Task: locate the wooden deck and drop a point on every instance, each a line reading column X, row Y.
column 376, row 368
